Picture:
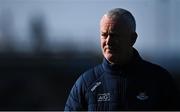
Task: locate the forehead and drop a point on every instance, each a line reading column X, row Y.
column 108, row 21
column 110, row 24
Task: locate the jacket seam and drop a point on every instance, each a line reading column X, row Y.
column 69, row 107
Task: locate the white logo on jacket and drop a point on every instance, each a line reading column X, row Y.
column 142, row 96
column 104, row 97
column 95, row 86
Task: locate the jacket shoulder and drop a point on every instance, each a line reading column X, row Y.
column 87, row 78
column 92, row 75
column 155, row 69
column 76, row 99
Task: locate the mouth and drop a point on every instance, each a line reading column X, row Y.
column 110, row 49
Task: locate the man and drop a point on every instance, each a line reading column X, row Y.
column 124, row 81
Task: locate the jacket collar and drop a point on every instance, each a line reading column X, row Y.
column 115, row 68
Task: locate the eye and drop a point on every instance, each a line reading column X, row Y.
column 104, row 35
column 112, row 35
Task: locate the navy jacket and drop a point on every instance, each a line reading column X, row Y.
column 139, row 85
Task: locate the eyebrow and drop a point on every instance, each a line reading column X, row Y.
column 102, row 32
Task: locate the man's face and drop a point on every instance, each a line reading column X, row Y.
column 116, row 39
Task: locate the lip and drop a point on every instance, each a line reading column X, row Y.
column 109, row 50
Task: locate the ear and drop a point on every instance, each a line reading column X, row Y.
column 133, row 38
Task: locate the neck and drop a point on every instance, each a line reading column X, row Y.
column 124, row 60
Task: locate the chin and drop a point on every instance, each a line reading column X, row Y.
column 109, row 57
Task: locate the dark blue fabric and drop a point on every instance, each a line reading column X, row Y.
column 139, row 85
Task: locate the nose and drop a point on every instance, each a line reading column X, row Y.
column 109, row 40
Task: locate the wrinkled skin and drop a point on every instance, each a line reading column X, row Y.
column 117, row 40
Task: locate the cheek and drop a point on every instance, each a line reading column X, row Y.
column 122, row 43
column 102, row 43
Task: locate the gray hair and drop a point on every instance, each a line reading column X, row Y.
column 119, row 13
